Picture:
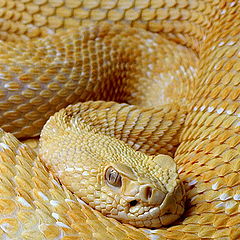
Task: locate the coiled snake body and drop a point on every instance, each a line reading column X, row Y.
column 174, row 68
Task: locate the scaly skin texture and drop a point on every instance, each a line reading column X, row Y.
column 141, row 68
column 46, row 75
column 150, row 194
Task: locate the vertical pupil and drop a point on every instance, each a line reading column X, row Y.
column 110, row 177
column 113, row 177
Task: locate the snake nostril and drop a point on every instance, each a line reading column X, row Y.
column 133, row 203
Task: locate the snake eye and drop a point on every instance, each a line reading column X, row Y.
column 113, row 177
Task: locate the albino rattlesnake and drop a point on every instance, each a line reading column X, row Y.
column 193, row 59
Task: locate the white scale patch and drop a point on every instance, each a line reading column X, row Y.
column 6, row 85
column 55, row 215
column 69, row 169
column 215, row 186
column 3, row 146
column 230, row 204
column 236, row 197
column 81, row 201
column 149, row 40
column 223, row 11
column 220, row 110
column 231, row 43
column 54, row 203
column 213, row 47
column 221, row 44
column 148, row 74
column 5, row 226
column 193, row 182
column 224, row 196
column 210, row 109
column 23, row 202
column 43, row 196
column 56, row 183
column 152, row 234
column 61, row 224
column 180, row 169
column 192, row 68
column 220, row 205
column 182, row 68
column 229, row 112
column 79, row 169
column 150, row 66
column 85, row 173
column 69, row 200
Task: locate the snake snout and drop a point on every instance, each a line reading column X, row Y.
column 151, row 195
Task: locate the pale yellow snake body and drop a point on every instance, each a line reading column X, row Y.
column 178, row 65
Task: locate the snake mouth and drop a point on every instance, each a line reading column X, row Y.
column 150, row 217
column 143, row 214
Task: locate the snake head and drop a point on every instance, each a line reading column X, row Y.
column 145, row 200
column 109, row 175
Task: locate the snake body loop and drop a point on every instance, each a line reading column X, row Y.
column 172, row 69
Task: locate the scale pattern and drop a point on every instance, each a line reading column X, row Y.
column 32, row 203
column 46, row 79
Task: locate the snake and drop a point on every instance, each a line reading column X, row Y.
column 136, row 103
